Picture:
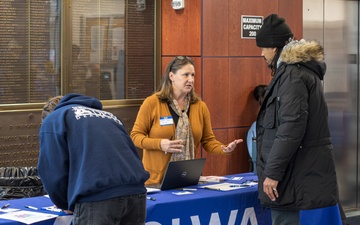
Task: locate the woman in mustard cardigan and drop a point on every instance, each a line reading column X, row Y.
column 172, row 123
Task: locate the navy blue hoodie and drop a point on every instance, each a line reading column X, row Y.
column 87, row 155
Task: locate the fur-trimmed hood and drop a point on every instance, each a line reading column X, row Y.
column 306, row 53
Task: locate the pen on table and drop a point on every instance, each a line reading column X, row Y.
column 5, row 206
column 151, row 198
column 31, row 207
column 240, row 185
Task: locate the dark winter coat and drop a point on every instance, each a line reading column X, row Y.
column 293, row 138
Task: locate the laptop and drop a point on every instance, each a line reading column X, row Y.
column 183, row 173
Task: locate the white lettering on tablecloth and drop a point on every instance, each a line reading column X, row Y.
column 249, row 215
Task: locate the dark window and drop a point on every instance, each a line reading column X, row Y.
column 100, row 48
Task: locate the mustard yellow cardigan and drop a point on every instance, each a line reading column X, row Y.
column 147, row 134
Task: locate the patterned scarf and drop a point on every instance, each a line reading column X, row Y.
column 183, row 132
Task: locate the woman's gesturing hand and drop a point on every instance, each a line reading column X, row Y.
column 171, row 146
column 231, row 146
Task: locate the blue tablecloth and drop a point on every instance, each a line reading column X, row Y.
column 202, row 207
column 209, row 207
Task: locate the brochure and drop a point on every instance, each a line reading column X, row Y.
column 213, row 179
column 228, row 186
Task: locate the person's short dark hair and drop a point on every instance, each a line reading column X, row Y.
column 259, row 92
column 49, row 106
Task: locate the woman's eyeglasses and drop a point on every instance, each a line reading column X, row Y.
column 180, row 58
column 183, row 57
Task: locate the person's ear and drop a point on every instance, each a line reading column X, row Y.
column 171, row 76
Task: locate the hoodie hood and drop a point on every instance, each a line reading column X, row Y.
column 79, row 99
column 309, row 54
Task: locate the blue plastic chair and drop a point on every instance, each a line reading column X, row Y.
column 251, row 145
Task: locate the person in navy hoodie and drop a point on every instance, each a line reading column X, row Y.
column 88, row 163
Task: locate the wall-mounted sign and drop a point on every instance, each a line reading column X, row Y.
column 250, row 26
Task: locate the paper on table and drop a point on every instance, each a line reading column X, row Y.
column 225, row 186
column 236, row 178
column 7, row 210
column 152, row 190
column 182, row 193
column 212, row 179
column 27, row 217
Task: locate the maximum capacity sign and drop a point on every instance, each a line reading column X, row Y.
column 250, row 26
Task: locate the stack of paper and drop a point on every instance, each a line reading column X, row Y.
column 213, row 179
column 152, row 190
column 226, row 186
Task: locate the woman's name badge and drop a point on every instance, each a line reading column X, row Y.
column 166, row 121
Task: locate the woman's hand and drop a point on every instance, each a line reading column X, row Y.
column 231, row 146
column 170, row 146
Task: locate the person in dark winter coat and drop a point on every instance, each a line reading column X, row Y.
column 295, row 156
column 89, row 164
